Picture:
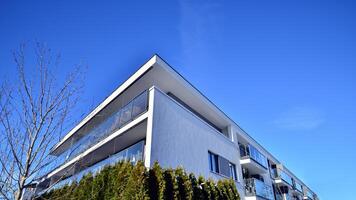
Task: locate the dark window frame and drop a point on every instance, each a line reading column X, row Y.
column 214, row 166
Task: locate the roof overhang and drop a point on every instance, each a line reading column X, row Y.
column 155, row 72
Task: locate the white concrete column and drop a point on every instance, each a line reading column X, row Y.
column 151, row 94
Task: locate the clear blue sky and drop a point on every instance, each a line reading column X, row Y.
column 284, row 70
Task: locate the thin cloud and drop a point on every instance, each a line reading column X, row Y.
column 299, row 118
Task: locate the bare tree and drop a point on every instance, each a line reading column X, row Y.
column 34, row 109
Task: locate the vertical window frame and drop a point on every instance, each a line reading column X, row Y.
column 213, row 162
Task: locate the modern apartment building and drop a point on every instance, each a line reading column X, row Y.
column 157, row 115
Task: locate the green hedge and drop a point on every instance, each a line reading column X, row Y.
column 127, row 181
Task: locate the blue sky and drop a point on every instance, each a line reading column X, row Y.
column 284, row 70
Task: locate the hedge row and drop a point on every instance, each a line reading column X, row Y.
column 127, row 181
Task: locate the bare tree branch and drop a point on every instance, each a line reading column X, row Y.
column 33, row 111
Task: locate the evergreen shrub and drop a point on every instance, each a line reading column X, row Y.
column 127, row 181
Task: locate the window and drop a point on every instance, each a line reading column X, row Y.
column 233, row 171
column 220, row 165
column 213, row 162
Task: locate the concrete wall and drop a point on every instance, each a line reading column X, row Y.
column 179, row 138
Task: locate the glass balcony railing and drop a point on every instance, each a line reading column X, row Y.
column 277, row 173
column 309, row 195
column 255, row 187
column 113, row 122
column 133, row 154
column 249, row 151
column 286, row 177
column 279, row 197
column 297, row 186
column 297, row 197
column 284, row 197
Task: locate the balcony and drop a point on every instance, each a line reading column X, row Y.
column 133, row 154
column 114, row 122
column 255, row 187
column 297, row 188
column 285, row 197
column 252, row 159
column 280, row 177
column 308, row 195
column 108, row 125
column 297, row 197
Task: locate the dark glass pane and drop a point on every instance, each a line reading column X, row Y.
column 257, row 156
column 210, row 162
column 139, row 104
column 126, row 114
column 216, row 164
column 242, row 150
column 286, row 177
column 116, row 121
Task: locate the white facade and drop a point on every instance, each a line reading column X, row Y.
column 180, row 138
column 161, row 117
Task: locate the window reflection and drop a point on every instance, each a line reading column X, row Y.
column 286, row 177
column 139, row 104
column 251, row 152
column 132, row 154
column 109, row 125
column 255, row 187
column 126, row 114
column 106, row 127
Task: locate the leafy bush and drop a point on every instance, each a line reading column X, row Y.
column 126, row 181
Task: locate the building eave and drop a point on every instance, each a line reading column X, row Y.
column 142, row 70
